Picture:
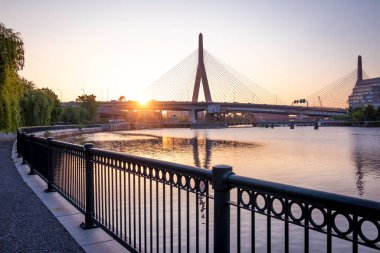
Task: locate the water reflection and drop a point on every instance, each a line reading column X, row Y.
column 366, row 159
column 303, row 157
column 165, row 147
column 208, row 151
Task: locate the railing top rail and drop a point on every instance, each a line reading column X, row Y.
column 67, row 145
column 170, row 166
column 33, row 129
column 325, row 199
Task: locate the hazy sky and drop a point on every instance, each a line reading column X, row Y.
column 291, row 48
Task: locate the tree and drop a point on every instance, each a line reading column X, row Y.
column 369, row 112
column 71, row 115
column 11, row 89
column 122, row 98
column 55, row 103
column 90, row 107
column 38, row 106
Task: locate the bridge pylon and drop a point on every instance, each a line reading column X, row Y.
column 201, row 75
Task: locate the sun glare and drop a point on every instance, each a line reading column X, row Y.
column 143, row 100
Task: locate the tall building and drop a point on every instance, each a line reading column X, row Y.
column 365, row 92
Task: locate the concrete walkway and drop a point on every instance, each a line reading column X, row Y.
column 34, row 221
column 26, row 224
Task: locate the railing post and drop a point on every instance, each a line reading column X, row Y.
column 220, row 174
column 18, row 144
column 23, row 148
column 49, row 167
column 89, row 213
column 31, row 163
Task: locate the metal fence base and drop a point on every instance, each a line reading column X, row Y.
column 85, row 225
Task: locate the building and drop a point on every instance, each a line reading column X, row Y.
column 365, row 92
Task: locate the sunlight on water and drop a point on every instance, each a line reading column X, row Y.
column 340, row 160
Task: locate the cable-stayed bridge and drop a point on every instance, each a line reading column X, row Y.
column 202, row 82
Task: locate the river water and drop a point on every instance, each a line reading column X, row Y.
column 334, row 159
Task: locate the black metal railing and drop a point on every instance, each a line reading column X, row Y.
column 155, row 206
column 34, row 129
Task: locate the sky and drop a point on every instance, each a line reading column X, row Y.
column 292, row 48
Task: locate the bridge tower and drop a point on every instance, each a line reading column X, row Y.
column 360, row 71
column 201, row 75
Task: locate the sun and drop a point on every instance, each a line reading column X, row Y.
column 143, row 100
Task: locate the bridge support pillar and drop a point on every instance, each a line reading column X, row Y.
column 193, row 116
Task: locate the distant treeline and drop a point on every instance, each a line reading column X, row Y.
column 366, row 113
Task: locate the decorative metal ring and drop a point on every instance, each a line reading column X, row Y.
column 192, row 183
column 143, row 171
column 168, row 177
column 136, row 168
column 365, row 238
column 183, row 184
column 241, row 199
column 261, row 209
column 175, row 179
column 202, row 186
column 324, row 214
column 302, row 208
column 278, row 214
column 335, row 227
